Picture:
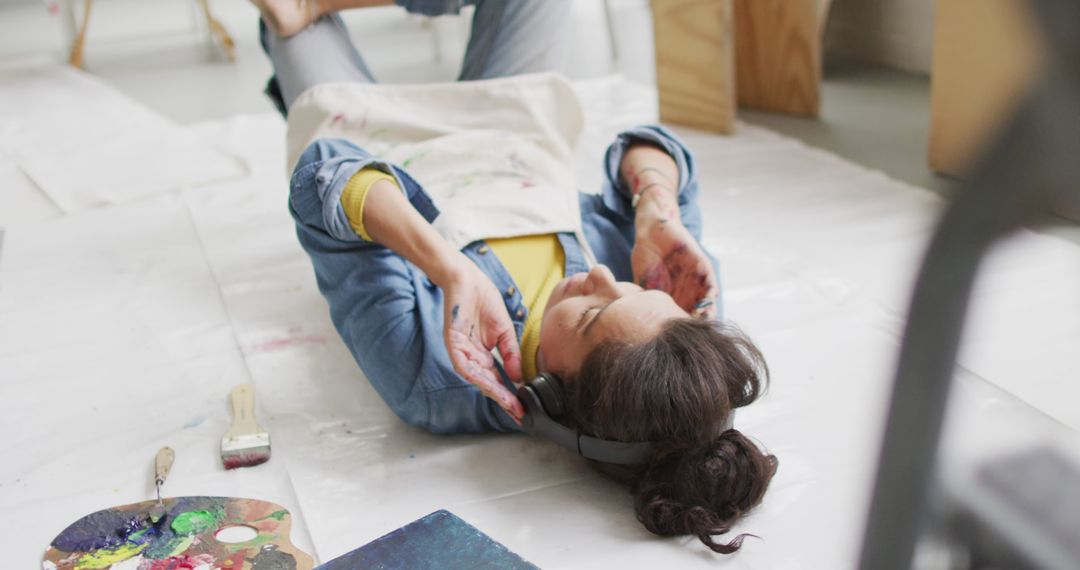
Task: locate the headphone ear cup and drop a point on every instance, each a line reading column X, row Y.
column 549, row 389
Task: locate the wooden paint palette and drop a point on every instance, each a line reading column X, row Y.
column 195, row 533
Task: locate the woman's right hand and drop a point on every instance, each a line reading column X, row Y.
column 475, row 318
column 475, row 321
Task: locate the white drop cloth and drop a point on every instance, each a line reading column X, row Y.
column 84, row 144
column 123, row 329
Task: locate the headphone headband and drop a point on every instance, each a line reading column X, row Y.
column 544, row 394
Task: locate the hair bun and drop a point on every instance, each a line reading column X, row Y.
column 703, row 489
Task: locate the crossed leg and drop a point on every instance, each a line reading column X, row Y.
column 508, row 37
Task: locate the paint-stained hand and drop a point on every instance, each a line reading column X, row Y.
column 668, row 258
column 475, row 322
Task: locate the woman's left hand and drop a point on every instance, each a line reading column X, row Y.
column 667, row 257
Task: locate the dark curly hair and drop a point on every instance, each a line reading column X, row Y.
column 675, row 390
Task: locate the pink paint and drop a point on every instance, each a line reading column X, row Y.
column 656, row 277
column 182, row 562
column 294, row 339
column 245, row 459
column 338, row 118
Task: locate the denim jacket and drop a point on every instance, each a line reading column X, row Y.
column 390, row 315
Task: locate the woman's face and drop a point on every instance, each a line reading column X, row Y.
column 588, row 308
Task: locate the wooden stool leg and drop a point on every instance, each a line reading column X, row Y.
column 219, row 32
column 76, row 56
column 779, row 54
column 695, row 60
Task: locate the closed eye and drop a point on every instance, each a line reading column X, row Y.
column 596, row 317
column 584, row 315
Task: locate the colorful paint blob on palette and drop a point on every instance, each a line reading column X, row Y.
column 187, row 538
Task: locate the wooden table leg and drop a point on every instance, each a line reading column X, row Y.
column 695, row 63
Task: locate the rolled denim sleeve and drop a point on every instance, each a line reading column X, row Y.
column 325, row 168
column 616, row 193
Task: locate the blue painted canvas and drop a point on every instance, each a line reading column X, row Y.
column 440, row 540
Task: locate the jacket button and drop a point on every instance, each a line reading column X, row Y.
column 520, row 313
column 482, row 249
column 510, row 291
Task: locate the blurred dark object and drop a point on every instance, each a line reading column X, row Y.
column 1019, row 511
column 1032, row 168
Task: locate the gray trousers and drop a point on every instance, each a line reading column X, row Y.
column 508, row 37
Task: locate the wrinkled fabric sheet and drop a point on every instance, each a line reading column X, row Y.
column 123, row 328
column 83, row 144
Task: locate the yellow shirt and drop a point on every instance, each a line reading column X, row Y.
column 356, row 191
column 536, row 263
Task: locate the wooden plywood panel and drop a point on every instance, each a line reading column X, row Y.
column 695, row 59
column 823, row 7
column 985, row 56
column 778, row 54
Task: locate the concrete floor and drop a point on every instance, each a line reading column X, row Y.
column 870, row 115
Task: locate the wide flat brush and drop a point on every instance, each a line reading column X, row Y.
column 246, row 444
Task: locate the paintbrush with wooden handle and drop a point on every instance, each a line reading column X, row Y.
column 246, row 444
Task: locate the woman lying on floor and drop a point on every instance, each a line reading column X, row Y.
column 443, row 222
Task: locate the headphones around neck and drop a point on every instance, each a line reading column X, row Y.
column 545, row 406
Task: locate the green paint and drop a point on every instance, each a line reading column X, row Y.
column 408, row 161
column 259, row 540
column 106, row 557
column 137, row 536
column 180, row 546
column 160, row 548
column 276, row 515
column 194, row 522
